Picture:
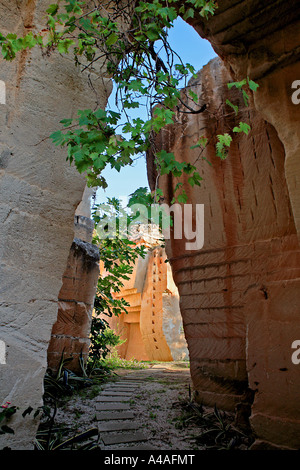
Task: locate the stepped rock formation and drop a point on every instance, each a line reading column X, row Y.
column 152, row 327
column 40, row 192
column 239, row 295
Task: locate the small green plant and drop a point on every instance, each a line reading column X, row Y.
column 58, row 388
column 103, row 339
column 114, row 361
column 6, row 412
column 217, row 429
column 119, row 254
column 78, row 413
column 64, row 382
column 55, row 438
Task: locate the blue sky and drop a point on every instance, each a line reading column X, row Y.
column 192, row 49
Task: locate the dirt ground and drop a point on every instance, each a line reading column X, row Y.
column 160, row 408
column 155, row 404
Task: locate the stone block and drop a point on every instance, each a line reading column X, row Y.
column 122, row 438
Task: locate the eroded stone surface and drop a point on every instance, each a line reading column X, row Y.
column 152, row 328
column 261, row 40
column 39, row 195
column 233, row 292
column 70, row 333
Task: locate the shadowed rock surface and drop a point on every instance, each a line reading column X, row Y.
column 239, row 295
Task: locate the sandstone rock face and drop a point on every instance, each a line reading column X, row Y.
column 261, row 40
column 172, row 320
column 39, row 196
column 70, row 333
column 239, row 295
column 152, row 327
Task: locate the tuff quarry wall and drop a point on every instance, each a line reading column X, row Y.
column 261, row 40
column 39, row 196
column 152, row 327
column 239, row 295
column 70, row 336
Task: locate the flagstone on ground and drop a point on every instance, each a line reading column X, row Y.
column 144, row 394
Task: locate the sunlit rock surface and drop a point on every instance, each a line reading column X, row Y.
column 152, row 328
column 40, row 192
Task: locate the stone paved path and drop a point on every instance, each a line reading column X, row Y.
column 116, row 407
column 117, row 426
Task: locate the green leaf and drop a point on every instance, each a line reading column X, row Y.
column 57, row 137
column 11, row 36
column 178, row 185
column 226, row 139
column 112, row 39
column 238, row 85
column 246, row 97
column 195, row 179
column 135, row 85
column 233, row 106
column 252, row 85
column 190, row 13
column 100, row 114
column 243, row 127
column 202, row 142
column 64, row 45
column 51, row 22
column 66, row 122
column 52, row 9
column 193, row 96
column 223, row 141
column 182, row 198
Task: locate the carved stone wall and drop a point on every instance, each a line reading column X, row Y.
column 152, row 327
column 261, row 40
column 40, row 192
column 70, row 333
column 239, row 295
